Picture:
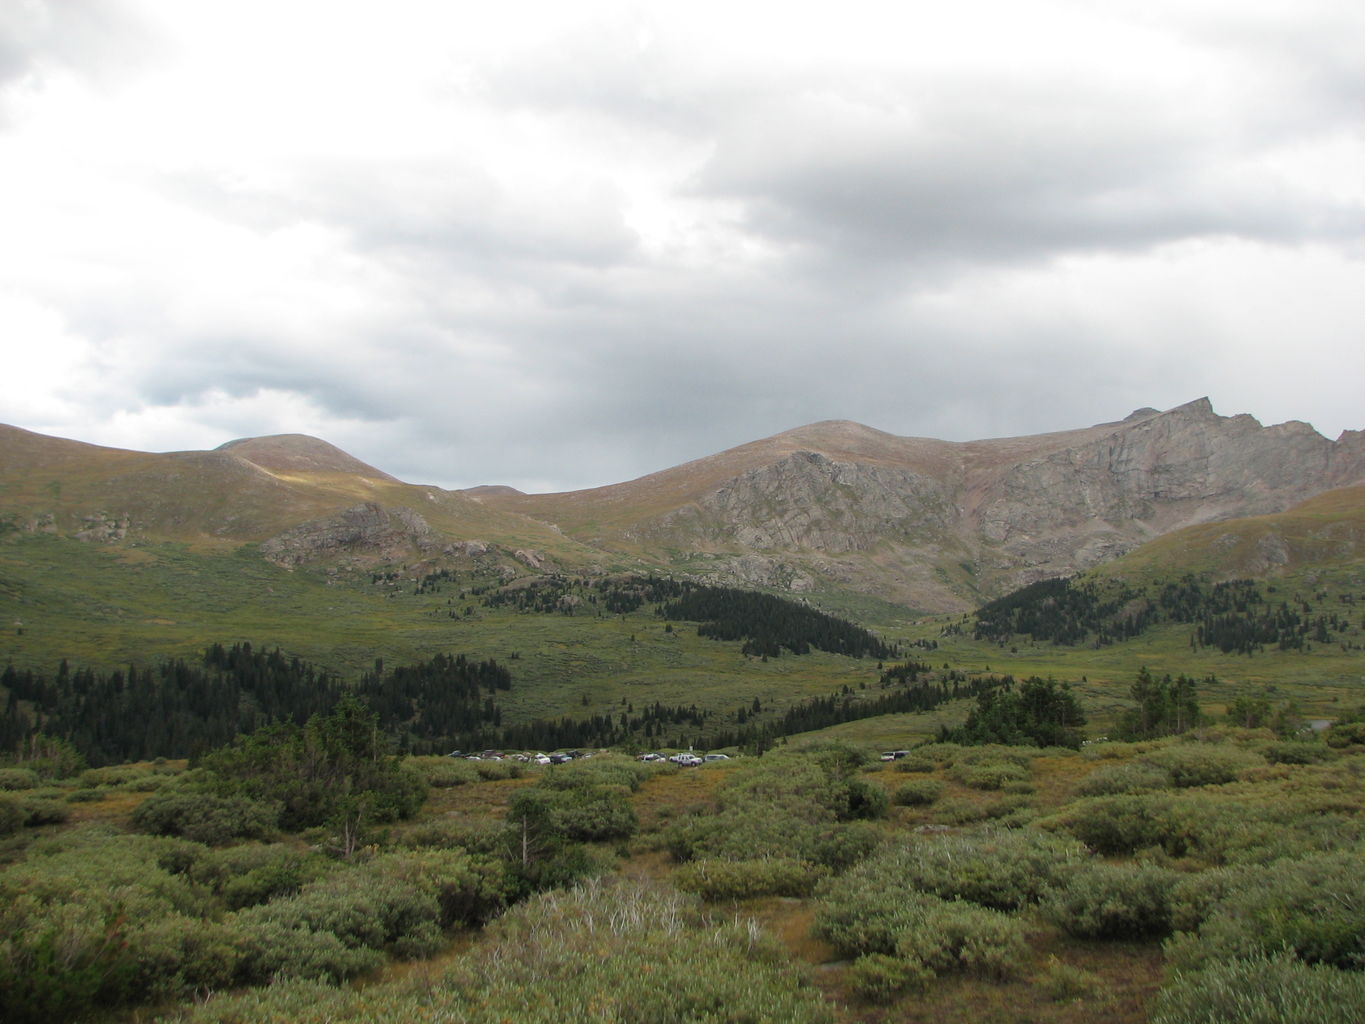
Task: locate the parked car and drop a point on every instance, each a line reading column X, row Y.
column 686, row 760
column 709, row 758
column 651, row 757
column 895, row 755
column 541, row 759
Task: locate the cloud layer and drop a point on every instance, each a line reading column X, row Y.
column 560, row 247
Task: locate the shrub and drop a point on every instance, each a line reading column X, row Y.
column 917, row 763
column 85, row 796
column 84, row 920
column 961, row 811
column 957, row 936
column 1064, row 983
column 471, row 835
column 714, row 880
column 333, row 767
column 41, row 811
column 578, row 814
column 917, row 793
column 786, row 805
column 1312, row 751
column 253, row 873
column 603, row 770
column 871, row 907
column 1128, row 777
column 1313, row 908
column 113, row 775
column 1346, row 734
column 443, row 772
column 204, row 817
column 1114, row 901
column 903, row 941
column 1117, row 824
column 270, row 948
column 18, row 778
column 1261, row 990
column 620, row 953
column 497, row 771
column 846, row 844
column 342, row 924
column 1202, row 764
column 881, row 977
column 990, row 774
column 999, row 868
column 11, row 815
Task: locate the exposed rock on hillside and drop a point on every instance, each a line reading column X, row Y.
column 943, row 525
column 834, row 505
column 367, row 532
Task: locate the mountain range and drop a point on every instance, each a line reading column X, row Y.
column 829, row 507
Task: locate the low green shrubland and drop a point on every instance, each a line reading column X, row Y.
column 619, row 953
column 714, row 878
column 1261, row 990
column 1114, row 901
column 917, row 792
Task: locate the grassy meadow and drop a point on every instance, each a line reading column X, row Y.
column 109, row 606
column 1210, row 877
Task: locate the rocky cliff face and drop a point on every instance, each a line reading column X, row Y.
column 366, row 532
column 808, row 500
column 943, row 525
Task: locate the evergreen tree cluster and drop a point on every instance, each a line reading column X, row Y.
column 181, row 708
column 1063, row 611
column 1165, row 706
column 428, row 704
column 1040, row 713
column 175, row 709
column 337, row 765
column 766, row 624
column 1232, row 616
column 904, row 674
column 769, row 624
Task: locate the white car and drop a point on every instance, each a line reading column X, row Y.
column 686, row 760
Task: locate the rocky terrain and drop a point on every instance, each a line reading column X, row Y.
column 941, row 525
column 832, row 506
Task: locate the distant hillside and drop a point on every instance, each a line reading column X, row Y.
column 835, row 508
column 1284, row 581
column 299, row 453
column 299, row 498
column 944, row 525
column 1326, row 532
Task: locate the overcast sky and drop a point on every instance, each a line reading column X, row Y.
column 556, row 245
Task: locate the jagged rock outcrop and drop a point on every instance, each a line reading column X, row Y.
column 367, row 532
column 808, row 500
column 941, row 524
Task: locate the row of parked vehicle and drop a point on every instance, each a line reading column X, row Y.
column 686, row 760
column 496, row 755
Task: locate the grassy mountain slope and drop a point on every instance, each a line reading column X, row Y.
column 245, row 492
column 1324, row 533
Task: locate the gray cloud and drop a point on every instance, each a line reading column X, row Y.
column 611, row 251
